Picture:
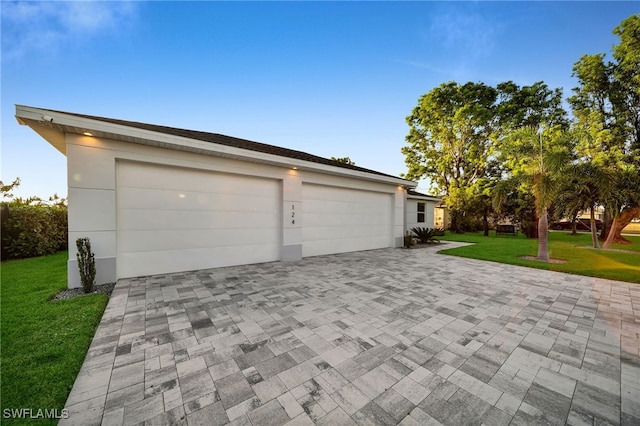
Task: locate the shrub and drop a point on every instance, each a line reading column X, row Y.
column 32, row 228
column 529, row 228
column 408, row 240
column 438, row 232
column 425, row 235
column 86, row 264
column 470, row 224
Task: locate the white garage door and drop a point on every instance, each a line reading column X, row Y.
column 175, row 219
column 336, row 220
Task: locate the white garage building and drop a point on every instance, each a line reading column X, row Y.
column 155, row 199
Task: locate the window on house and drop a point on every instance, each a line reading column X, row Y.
column 420, row 212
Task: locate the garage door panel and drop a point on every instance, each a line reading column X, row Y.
column 144, row 219
column 173, row 178
column 144, row 198
column 326, row 206
column 145, row 263
column 172, row 219
column 342, row 219
column 140, row 241
column 328, row 233
column 328, row 246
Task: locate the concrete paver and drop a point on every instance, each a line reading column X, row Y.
column 387, row 336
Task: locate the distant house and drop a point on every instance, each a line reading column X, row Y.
column 442, row 216
column 420, row 210
column 156, row 199
column 598, row 214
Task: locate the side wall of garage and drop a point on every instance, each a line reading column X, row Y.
column 132, row 201
column 428, row 214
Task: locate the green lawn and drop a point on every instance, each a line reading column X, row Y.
column 43, row 343
column 632, row 228
column 562, row 245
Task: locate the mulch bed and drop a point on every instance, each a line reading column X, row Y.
column 417, row 246
column 77, row 292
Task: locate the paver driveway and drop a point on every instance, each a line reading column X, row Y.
column 377, row 337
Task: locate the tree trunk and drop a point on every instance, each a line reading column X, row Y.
column 612, row 233
column 485, row 221
column 574, row 224
column 594, row 231
column 607, row 220
column 625, row 218
column 456, row 226
column 536, row 219
column 543, row 236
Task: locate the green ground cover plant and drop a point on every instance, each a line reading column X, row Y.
column 579, row 258
column 43, row 343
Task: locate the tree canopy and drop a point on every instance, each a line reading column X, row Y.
column 456, row 129
column 510, row 144
column 606, row 106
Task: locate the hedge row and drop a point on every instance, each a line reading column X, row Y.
column 30, row 230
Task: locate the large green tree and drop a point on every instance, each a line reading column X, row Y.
column 454, row 131
column 606, row 105
column 449, row 141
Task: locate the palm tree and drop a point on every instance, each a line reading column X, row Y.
column 537, row 157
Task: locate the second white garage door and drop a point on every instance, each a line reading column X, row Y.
column 336, row 220
column 175, row 219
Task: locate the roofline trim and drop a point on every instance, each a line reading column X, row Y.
column 423, row 197
column 150, row 137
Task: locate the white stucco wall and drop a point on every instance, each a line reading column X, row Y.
column 91, row 164
column 412, row 214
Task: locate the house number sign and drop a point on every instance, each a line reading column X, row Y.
column 292, row 214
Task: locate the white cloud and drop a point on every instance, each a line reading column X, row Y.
column 457, row 41
column 468, row 34
column 47, row 27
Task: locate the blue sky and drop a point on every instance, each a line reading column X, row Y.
column 328, row 78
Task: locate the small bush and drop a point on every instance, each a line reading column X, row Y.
column 408, row 240
column 471, row 224
column 529, row 228
column 438, row 232
column 86, row 264
column 425, row 235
